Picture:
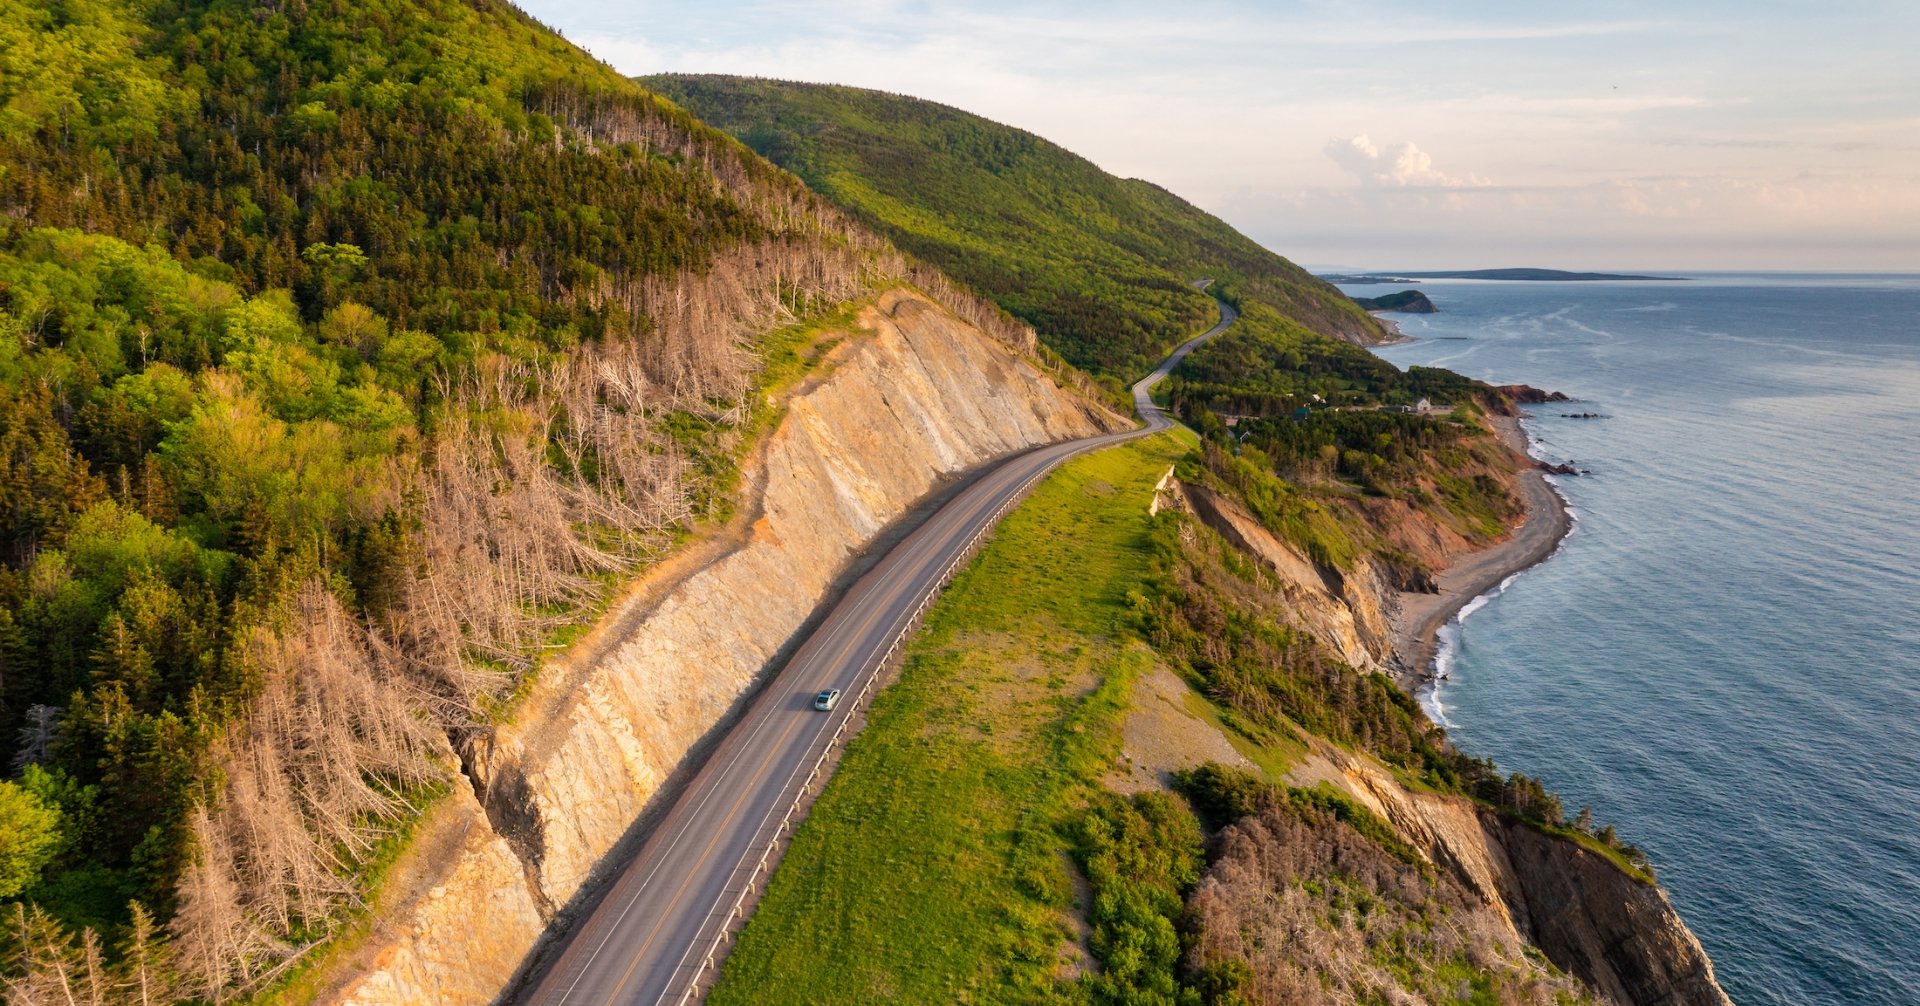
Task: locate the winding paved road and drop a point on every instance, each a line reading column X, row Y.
column 660, row 928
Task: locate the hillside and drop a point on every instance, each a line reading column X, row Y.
column 1144, row 751
column 1032, row 225
column 352, row 356
column 1099, row 265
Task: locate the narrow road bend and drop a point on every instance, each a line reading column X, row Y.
column 657, row 933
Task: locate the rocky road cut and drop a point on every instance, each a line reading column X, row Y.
column 659, row 932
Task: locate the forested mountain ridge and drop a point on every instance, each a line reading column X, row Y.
column 350, row 352
column 1099, row 265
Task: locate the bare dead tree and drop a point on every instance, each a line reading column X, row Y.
column 36, row 736
column 46, row 967
column 313, row 777
column 146, row 977
column 1281, row 900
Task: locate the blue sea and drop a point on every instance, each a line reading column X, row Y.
column 1723, row 660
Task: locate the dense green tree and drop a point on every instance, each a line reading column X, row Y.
column 29, row 837
column 44, row 483
column 1141, row 855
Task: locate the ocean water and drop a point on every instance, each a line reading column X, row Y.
column 1723, row 659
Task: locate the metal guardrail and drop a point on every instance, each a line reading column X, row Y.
column 738, row 910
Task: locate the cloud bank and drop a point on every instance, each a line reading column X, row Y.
column 1401, row 164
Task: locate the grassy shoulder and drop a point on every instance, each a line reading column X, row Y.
column 931, row 868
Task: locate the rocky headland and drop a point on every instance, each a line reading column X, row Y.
column 1404, row 302
column 1527, row 394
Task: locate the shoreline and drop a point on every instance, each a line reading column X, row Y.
column 1400, row 337
column 1418, row 618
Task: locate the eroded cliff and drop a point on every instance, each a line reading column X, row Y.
column 1621, row 935
column 913, row 397
column 1348, row 612
column 1592, row 919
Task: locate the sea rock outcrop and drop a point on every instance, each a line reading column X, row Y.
column 1404, row 302
column 912, row 398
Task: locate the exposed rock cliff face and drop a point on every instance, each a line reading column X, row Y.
column 1619, row 935
column 918, row 396
column 1346, row 611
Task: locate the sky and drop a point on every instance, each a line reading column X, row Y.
column 1630, row 135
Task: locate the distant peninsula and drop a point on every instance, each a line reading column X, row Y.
column 1405, row 302
column 1512, row 275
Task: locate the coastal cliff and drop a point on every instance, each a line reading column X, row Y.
column 1346, row 612
column 1620, row 934
column 913, row 398
column 1591, row 917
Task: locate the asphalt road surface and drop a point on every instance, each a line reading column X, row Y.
column 659, row 930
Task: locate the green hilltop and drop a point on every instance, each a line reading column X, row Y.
column 1100, row 266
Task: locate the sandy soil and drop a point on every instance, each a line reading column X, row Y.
column 1417, row 623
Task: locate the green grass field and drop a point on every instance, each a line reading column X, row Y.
column 933, row 868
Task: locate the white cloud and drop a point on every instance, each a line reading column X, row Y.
column 625, row 53
column 1402, row 165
